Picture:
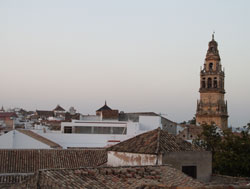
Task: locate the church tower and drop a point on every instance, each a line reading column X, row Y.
column 212, row 108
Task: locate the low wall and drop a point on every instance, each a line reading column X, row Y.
column 132, row 159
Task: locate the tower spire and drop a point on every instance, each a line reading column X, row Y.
column 213, row 35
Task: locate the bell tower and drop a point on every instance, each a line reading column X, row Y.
column 212, row 108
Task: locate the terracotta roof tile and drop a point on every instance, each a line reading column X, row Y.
column 58, row 108
column 40, row 138
column 29, row 161
column 154, row 142
column 105, row 107
column 110, row 177
column 45, row 113
column 8, row 114
column 14, row 178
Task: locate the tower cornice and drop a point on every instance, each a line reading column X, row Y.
column 212, row 90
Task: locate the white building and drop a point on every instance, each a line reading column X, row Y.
column 86, row 133
column 25, row 139
column 92, row 133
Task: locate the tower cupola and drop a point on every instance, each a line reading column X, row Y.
column 212, row 52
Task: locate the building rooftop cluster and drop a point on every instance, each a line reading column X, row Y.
column 110, row 149
column 154, row 159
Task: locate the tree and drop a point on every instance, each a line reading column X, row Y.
column 230, row 151
column 192, row 121
column 209, row 139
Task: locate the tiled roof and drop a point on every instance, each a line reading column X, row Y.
column 59, row 108
column 45, row 113
column 69, row 117
column 40, row 138
column 154, row 142
column 29, row 161
column 110, row 177
column 105, row 107
column 8, row 114
column 14, row 178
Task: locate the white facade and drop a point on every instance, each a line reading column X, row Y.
column 90, row 117
column 17, row 140
column 92, row 133
column 84, row 133
column 149, row 122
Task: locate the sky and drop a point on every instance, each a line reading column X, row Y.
column 138, row 55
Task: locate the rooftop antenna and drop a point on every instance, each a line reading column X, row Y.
column 213, row 35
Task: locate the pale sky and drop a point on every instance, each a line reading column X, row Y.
column 138, row 55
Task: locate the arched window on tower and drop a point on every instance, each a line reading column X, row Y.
column 211, row 66
column 215, row 82
column 203, row 82
column 209, row 82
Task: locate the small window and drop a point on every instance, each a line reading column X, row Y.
column 85, row 130
column 119, row 130
column 67, row 129
column 215, row 82
column 211, row 66
column 209, row 82
column 190, row 171
column 102, row 130
column 203, row 83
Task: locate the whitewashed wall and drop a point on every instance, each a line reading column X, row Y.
column 132, row 159
column 149, row 122
column 83, row 140
column 17, row 140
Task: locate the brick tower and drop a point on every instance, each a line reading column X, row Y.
column 212, row 108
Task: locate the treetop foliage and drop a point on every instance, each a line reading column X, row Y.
column 230, row 150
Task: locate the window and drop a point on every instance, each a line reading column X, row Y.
column 209, row 82
column 97, row 130
column 190, row 171
column 215, row 82
column 119, row 130
column 102, row 130
column 210, row 66
column 67, row 129
column 85, row 130
column 203, row 83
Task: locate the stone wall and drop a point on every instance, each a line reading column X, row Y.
column 202, row 160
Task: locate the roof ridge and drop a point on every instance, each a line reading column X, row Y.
column 39, row 138
column 154, row 142
column 158, row 140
